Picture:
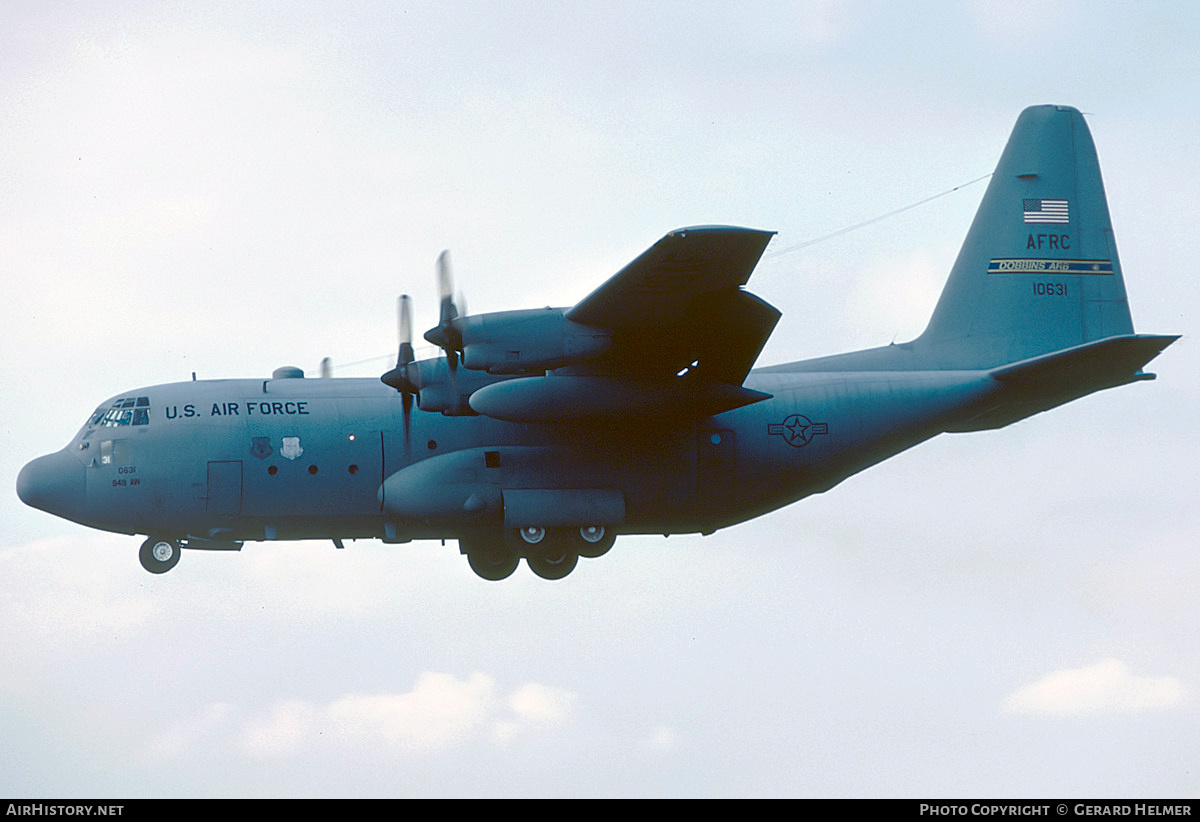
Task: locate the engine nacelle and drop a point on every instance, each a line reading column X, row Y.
column 529, row 341
column 436, row 390
column 583, row 398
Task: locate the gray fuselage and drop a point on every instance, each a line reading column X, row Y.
column 297, row 458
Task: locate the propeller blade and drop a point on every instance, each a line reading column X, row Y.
column 446, row 334
column 445, row 288
column 404, row 315
column 400, row 377
column 406, row 356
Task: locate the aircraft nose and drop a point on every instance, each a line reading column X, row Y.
column 53, row 483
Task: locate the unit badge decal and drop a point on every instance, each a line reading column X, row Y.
column 260, row 447
column 797, row 430
column 291, row 448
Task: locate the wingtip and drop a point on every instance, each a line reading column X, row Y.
column 718, row 229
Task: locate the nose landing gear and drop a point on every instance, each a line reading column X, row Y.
column 159, row 554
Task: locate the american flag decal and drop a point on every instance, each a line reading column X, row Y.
column 1046, row 211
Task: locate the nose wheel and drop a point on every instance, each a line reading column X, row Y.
column 159, row 554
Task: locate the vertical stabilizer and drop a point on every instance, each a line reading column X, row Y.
column 1038, row 271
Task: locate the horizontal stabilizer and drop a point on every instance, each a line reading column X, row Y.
column 1038, row 384
column 1104, row 362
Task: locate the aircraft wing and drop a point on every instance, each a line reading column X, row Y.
column 671, row 335
column 679, row 307
column 660, row 285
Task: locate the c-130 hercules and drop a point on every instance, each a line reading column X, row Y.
column 545, row 433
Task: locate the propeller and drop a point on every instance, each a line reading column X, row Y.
column 399, row 377
column 446, row 335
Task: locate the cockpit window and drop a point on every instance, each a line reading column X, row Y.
column 124, row 411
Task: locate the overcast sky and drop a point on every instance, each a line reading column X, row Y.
column 224, row 188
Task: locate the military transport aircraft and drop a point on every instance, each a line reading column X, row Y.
column 545, row 433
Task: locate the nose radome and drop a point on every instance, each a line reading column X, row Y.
column 53, row 483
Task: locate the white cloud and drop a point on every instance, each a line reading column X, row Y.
column 534, row 707
column 289, row 724
column 541, row 703
column 439, row 712
column 1106, row 688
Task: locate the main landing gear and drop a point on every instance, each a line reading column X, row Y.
column 159, row 554
column 490, row 559
column 551, row 553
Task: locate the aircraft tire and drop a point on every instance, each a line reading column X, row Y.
column 554, row 557
column 594, row 541
column 492, row 561
column 159, row 554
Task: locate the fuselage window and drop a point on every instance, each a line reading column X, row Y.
column 114, row 452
